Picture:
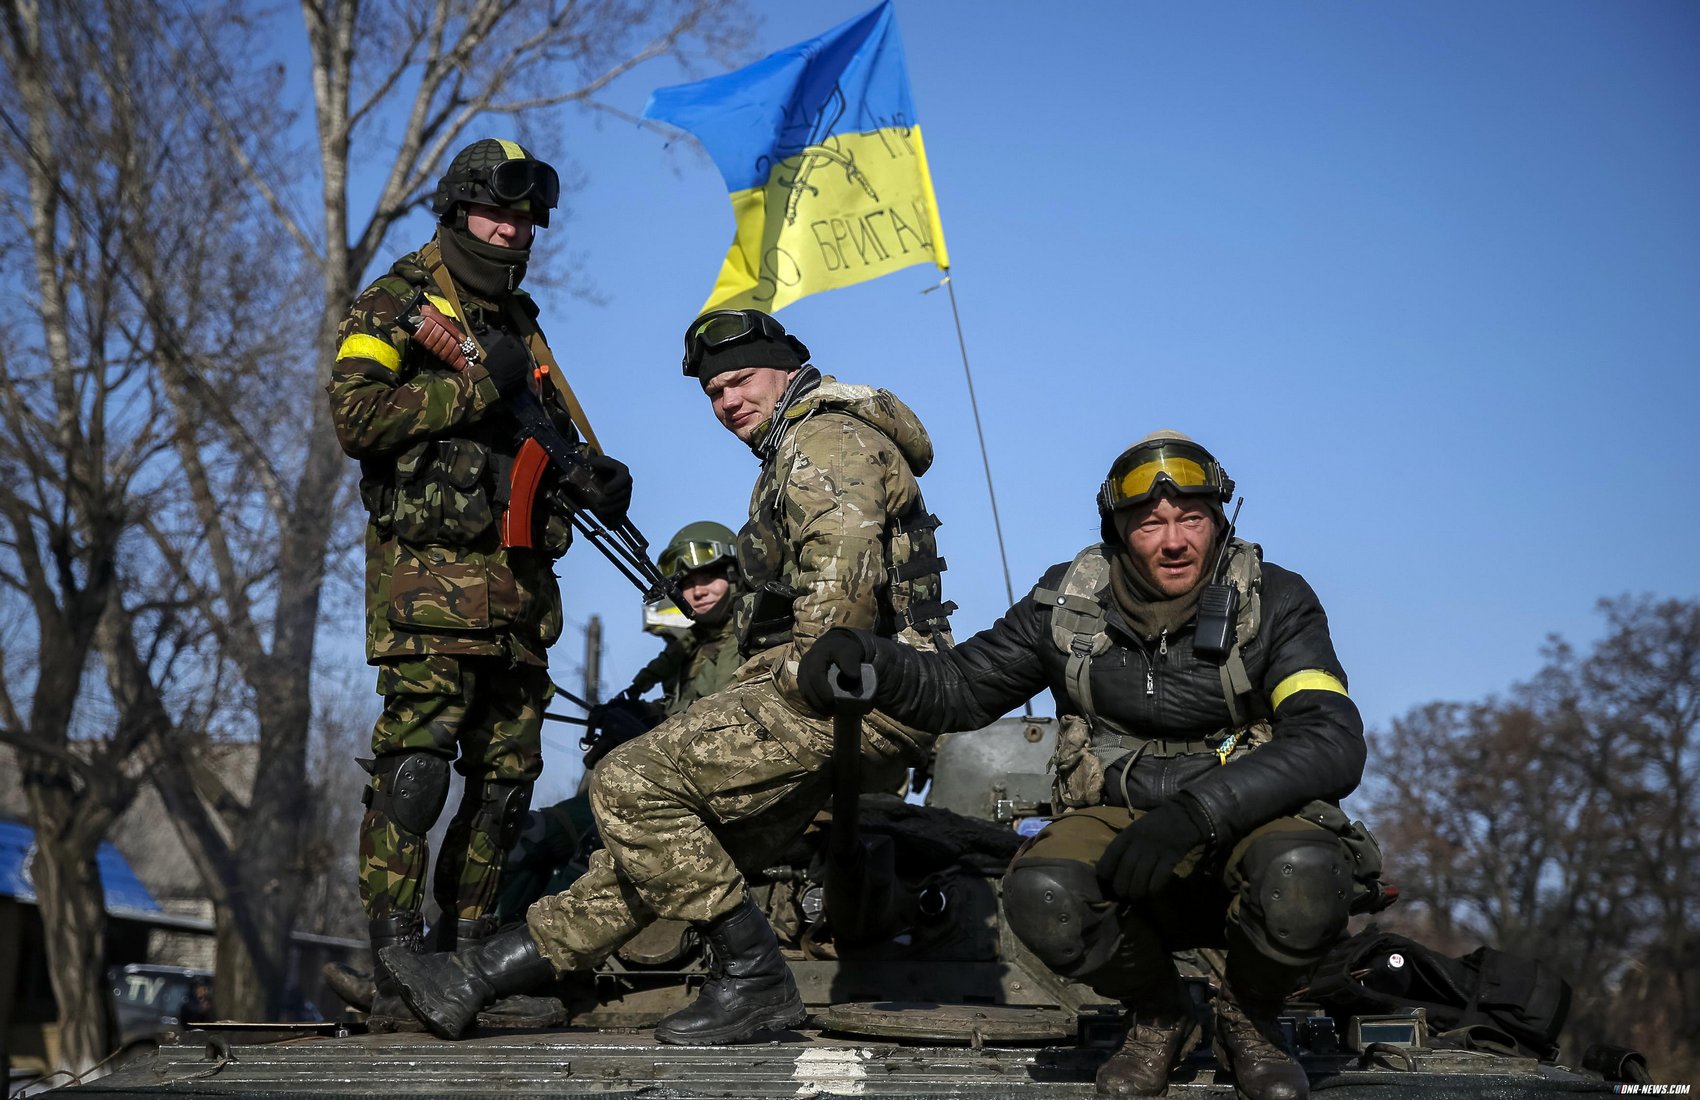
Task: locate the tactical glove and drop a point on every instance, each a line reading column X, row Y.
column 602, row 485
column 616, row 722
column 507, row 362
column 840, row 646
column 438, row 335
column 1143, row 856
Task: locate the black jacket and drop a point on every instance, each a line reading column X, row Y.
column 1317, row 751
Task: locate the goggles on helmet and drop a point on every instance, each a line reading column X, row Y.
column 679, row 559
column 722, row 328
column 516, row 180
column 1173, row 465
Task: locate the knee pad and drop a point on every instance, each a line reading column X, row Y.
column 502, row 806
column 1297, row 894
column 1057, row 909
column 410, row 788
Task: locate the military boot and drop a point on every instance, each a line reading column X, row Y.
column 447, row 990
column 1249, row 1041
column 517, row 1009
column 1158, row 1034
column 400, row 934
column 750, row 988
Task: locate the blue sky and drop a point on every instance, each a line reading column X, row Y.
column 1426, row 277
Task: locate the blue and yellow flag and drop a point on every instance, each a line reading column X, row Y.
column 822, row 154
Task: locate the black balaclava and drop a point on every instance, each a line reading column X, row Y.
column 490, row 271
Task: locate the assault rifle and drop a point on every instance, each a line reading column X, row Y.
column 546, row 446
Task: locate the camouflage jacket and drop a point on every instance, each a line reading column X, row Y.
column 435, row 451
column 695, row 664
column 839, row 535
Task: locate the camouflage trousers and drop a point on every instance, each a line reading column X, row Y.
column 486, row 715
column 727, row 784
column 1221, row 901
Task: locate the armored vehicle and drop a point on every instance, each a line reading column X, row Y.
column 889, row 912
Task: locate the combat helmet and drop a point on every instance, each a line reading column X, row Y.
column 698, row 546
column 499, row 173
column 1165, row 461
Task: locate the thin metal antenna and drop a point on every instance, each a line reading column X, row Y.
column 985, row 461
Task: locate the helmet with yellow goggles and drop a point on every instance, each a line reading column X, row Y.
column 698, row 546
column 1159, row 463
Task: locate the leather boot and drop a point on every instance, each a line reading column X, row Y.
column 448, row 989
column 1158, row 1034
column 750, row 989
column 1249, row 1040
column 398, row 934
column 517, row 1009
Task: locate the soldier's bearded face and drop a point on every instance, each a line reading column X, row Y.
column 1169, row 541
column 744, row 399
column 493, row 225
column 705, row 588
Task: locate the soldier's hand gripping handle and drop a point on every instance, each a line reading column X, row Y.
column 838, row 654
column 438, row 335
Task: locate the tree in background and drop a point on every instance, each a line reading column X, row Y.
column 175, row 496
column 1562, row 822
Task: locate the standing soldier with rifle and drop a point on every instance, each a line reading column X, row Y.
column 838, row 535
column 438, row 366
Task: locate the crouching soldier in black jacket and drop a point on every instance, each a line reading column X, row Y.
column 1205, row 742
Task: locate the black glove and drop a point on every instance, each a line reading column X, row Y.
column 603, row 485
column 614, row 723
column 839, row 646
column 507, row 362
column 1142, row 856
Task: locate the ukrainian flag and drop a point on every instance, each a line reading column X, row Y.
column 819, row 146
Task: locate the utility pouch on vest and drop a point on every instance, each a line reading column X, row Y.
column 1079, row 772
column 441, row 494
column 768, row 620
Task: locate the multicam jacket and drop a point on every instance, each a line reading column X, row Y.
column 435, row 451
column 839, row 535
column 694, row 664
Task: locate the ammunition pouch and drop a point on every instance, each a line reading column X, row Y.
column 765, row 617
column 443, row 493
column 911, row 597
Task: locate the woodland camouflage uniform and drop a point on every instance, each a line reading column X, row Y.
column 458, row 626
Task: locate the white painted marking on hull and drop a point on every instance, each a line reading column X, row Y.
column 837, row 1070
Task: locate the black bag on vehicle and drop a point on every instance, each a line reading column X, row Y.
column 1486, row 1000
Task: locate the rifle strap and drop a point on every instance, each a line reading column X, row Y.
column 539, row 348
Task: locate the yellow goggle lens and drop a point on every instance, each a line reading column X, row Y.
column 1137, row 482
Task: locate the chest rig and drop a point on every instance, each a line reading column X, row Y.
column 909, row 589
column 1078, row 631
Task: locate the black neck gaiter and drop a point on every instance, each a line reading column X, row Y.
column 490, row 271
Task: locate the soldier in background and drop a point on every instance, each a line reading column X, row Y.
column 555, row 843
column 1205, row 741
column 458, row 625
column 838, row 535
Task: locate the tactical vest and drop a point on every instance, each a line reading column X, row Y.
column 452, row 491
column 1077, row 629
column 910, row 592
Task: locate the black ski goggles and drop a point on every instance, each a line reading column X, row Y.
column 1166, row 465
column 719, row 329
column 676, row 561
column 515, row 181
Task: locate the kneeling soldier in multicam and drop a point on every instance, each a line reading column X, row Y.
column 1206, row 739
column 838, row 535
column 458, row 623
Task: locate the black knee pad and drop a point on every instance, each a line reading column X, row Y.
column 1297, row 894
column 502, row 806
column 1056, row 908
column 410, row 788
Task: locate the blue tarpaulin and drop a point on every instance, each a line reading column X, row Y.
column 17, row 847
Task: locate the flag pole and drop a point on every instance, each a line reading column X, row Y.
column 985, row 460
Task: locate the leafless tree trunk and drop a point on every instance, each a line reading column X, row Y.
column 1562, row 822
